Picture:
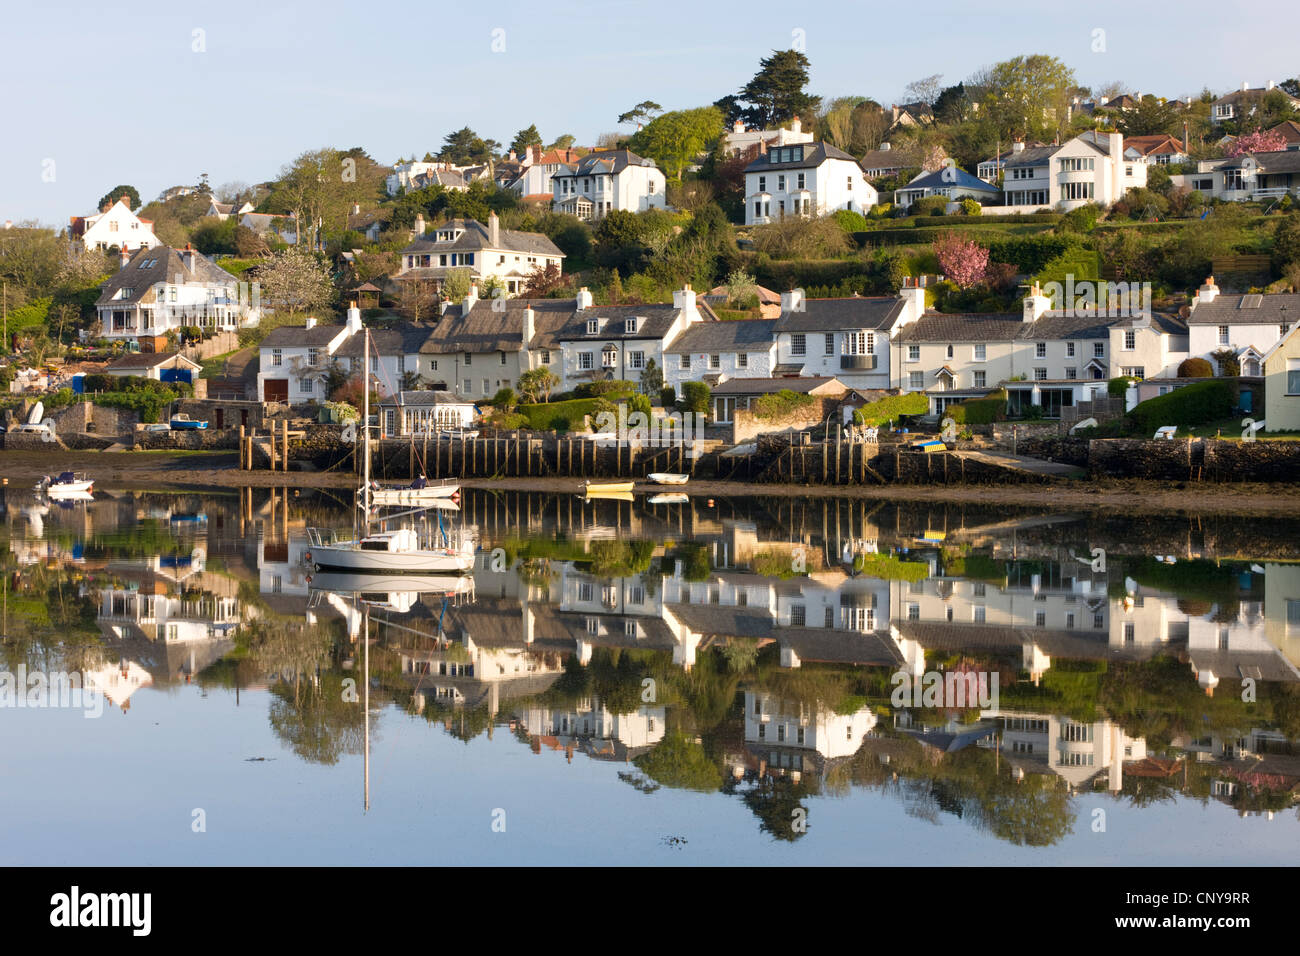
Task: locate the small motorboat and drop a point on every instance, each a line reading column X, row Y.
column 671, row 498
column 185, row 423
column 668, row 478
column 65, row 485
column 418, row 492
column 600, row 489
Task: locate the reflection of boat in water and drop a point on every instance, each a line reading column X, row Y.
column 673, row 498
column 607, row 489
column 668, row 478
column 65, row 484
column 418, row 492
column 397, row 592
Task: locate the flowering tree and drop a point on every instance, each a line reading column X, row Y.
column 963, row 260
column 1260, row 141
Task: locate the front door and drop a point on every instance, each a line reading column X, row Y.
column 221, row 418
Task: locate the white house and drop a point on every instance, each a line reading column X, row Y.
column 224, row 210
column 283, row 228
column 809, row 179
column 159, row 290
column 1092, row 168
column 713, row 352
column 115, row 226
column 1249, row 325
column 394, row 356
column 295, row 360
column 848, row 339
column 739, row 139
column 487, row 251
column 1249, row 177
column 423, row 412
column 605, row 180
column 159, row 366
column 534, row 182
column 952, row 182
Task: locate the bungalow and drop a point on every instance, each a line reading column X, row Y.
column 605, row 180
column 115, row 226
column 1249, row 325
column 487, row 251
column 952, row 182
column 714, row 352
column 846, row 338
column 1281, row 368
column 295, row 360
column 159, row 290
column 812, row 179
column 159, row 366
column 421, row 413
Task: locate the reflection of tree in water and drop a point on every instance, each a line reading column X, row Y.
column 778, row 804
column 678, row 762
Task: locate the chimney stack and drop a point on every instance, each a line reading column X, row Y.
column 1206, row 293
column 419, row 225
column 684, row 299
column 583, row 299
column 354, row 319
column 470, row 299
column 311, row 322
column 913, row 293
column 792, row 301
column 356, row 209
column 125, row 255
column 530, row 325
column 1035, row 304
column 494, row 231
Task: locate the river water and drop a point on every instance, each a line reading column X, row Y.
column 715, row 681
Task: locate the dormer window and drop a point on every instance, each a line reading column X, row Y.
column 125, row 294
column 593, row 326
column 631, row 325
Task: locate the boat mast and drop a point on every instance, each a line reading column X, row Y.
column 365, row 424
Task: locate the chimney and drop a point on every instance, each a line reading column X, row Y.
column 1104, row 100
column 792, row 301
column 583, row 299
column 1245, row 86
column 1035, row 304
column 1206, row 293
column 530, row 325
column 1018, row 146
column 356, row 209
column 1185, row 151
column 885, row 147
column 913, row 294
column 738, row 126
column 494, row 231
column 796, row 126
column 126, row 256
column 354, row 319
column 684, row 299
column 1270, row 84
column 311, row 322
column 470, row 299
column 419, row 225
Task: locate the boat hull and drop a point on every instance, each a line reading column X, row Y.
column 433, row 561
column 609, row 488
column 451, row 582
column 412, row 496
column 69, row 489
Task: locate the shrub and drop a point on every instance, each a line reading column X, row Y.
column 1189, row 406
column 668, row 396
column 1195, row 368
column 778, row 405
column 1083, row 219
column 980, row 411
column 505, row 399
column 1030, row 253
column 1118, row 386
column 971, row 207
column 850, row 221
column 695, row 397
column 604, row 387
column 1228, row 363
column 929, row 206
column 891, row 407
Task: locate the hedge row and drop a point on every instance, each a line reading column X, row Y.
column 890, row 407
column 980, row 411
column 1186, row 407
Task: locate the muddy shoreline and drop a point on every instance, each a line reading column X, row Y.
column 218, row 470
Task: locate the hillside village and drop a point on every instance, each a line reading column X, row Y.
column 1067, row 259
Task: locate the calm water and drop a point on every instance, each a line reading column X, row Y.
column 709, row 682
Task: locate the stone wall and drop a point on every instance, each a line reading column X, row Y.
column 748, row 425
column 1195, row 459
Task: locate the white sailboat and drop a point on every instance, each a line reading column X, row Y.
column 418, row 492
column 399, row 550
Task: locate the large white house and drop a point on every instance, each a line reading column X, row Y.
column 487, row 251
column 160, row 290
column 807, row 179
column 294, row 361
column 115, row 226
column 1248, row 325
column 605, row 180
column 1091, row 168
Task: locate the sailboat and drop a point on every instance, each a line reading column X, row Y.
column 417, row 492
column 395, row 550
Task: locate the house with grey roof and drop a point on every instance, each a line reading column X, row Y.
column 394, row 355
column 952, row 182
column 161, row 290
column 1250, row 177
column 805, row 179
column 487, row 251
column 408, row 412
column 282, row 228
column 605, row 180
column 160, row 366
column 848, row 338
column 1245, row 102
column 1248, row 325
column 1091, row 168
column 712, row 352
column 295, row 360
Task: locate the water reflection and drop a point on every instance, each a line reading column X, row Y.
column 743, row 649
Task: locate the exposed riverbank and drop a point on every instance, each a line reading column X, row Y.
column 208, row 470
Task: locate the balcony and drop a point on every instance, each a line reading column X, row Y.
column 858, row 363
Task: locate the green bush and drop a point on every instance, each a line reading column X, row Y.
column 1083, row 219
column 850, row 221
column 1030, row 253
column 777, row 405
column 557, row 416
column 1195, row 368
column 929, row 206
column 1186, row 407
column 890, row 407
column 604, row 387
column 971, row 207
column 668, row 397
column 1118, row 386
column 980, row 411
column 695, row 397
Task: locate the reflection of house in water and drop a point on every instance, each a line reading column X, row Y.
column 589, row 727
column 789, row 737
column 1073, row 750
column 117, row 682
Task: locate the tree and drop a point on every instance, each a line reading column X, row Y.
column 1150, row 116
column 1228, row 363
column 536, row 384
column 652, row 379
column 543, row 281
column 953, row 105
column 563, row 142
column 1195, row 368
column 640, row 113
column 1260, row 141
column 525, row 138
column 297, row 279
column 695, row 397
column 117, row 192
column 1027, row 96
column 925, row 90
column 456, row 283
column 674, row 139
column 963, row 260
column 464, row 147
column 776, row 93
column 417, row 300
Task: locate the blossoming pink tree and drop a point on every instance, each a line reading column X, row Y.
column 1260, row 141
column 964, row 261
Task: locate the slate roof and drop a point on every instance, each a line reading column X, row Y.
column 814, row 154
column 145, row 360
column 656, row 321
column 1277, row 161
column 884, row 159
column 484, row 330
column 428, row 398
column 603, row 163
column 724, row 336
column 963, row 327
column 299, row 336
column 835, row 315
column 947, row 178
column 403, row 339
column 474, row 237
column 166, row 265
column 1247, row 310
column 763, row 386
column 1058, row 325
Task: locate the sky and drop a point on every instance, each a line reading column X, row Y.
column 98, row 95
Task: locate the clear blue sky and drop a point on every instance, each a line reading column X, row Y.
column 117, row 94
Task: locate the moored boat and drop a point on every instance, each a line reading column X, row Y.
column 668, row 478
column 66, row 484
column 594, row 489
